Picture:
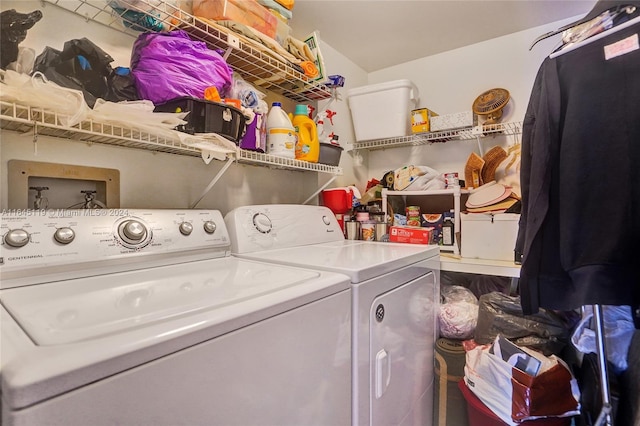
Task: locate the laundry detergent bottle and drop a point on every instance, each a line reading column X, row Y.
column 281, row 135
column 308, row 146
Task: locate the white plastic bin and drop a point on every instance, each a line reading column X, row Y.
column 489, row 236
column 383, row 110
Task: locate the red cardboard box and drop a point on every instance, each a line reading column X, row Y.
column 409, row 234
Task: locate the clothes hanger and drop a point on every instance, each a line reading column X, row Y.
column 598, row 9
column 598, row 36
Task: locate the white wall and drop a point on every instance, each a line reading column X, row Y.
column 336, row 63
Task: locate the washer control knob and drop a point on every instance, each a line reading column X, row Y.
column 132, row 231
column 186, row 228
column 262, row 223
column 64, row 235
column 326, row 220
column 210, row 227
column 16, row 238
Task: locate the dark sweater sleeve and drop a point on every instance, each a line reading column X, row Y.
column 528, row 135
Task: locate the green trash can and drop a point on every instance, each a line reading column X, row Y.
column 449, row 405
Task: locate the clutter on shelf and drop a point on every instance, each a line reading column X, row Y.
column 491, row 197
column 139, row 15
column 417, row 178
column 167, row 66
column 179, row 70
column 497, row 164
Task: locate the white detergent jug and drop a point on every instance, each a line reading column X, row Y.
column 281, row 135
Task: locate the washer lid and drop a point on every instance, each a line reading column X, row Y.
column 360, row 260
column 165, row 299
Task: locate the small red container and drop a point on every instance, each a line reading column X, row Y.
column 480, row 415
column 339, row 200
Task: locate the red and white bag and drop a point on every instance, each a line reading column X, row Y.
column 516, row 396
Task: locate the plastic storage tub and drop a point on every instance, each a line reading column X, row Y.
column 383, row 110
column 207, row 117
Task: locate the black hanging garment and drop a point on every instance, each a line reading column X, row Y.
column 580, row 175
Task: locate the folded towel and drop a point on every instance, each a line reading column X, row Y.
column 299, row 49
column 272, row 4
column 287, row 3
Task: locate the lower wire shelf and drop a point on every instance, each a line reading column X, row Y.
column 28, row 119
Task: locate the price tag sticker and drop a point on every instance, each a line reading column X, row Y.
column 621, row 47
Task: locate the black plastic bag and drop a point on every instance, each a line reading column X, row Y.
column 13, row 31
column 501, row 314
column 81, row 65
column 121, row 86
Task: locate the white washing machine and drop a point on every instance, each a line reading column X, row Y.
column 395, row 300
column 144, row 318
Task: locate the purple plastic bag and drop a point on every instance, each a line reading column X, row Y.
column 169, row 65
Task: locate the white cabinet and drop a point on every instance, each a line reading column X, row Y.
column 455, row 192
column 454, row 262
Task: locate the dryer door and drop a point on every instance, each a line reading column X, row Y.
column 401, row 353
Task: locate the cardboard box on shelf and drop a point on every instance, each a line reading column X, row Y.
column 410, row 234
column 247, row 12
column 420, row 119
column 453, row 121
column 430, row 220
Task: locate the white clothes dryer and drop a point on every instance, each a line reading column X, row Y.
column 144, row 318
column 395, row 299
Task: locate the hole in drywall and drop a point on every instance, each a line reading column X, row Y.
column 59, row 193
column 68, row 186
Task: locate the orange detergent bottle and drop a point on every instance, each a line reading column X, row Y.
column 308, row 145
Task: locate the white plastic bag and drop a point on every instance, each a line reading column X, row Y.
column 458, row 314
column 618, row 329
column 515, row 396
column 37, row 91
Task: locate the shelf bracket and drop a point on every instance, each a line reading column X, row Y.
column 35, row 138
column 320, row 189
column 233, row 42
column 213, row 181
column 480, row 150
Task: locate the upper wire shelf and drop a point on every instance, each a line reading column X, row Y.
column 511, row 128
column 253, row 64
